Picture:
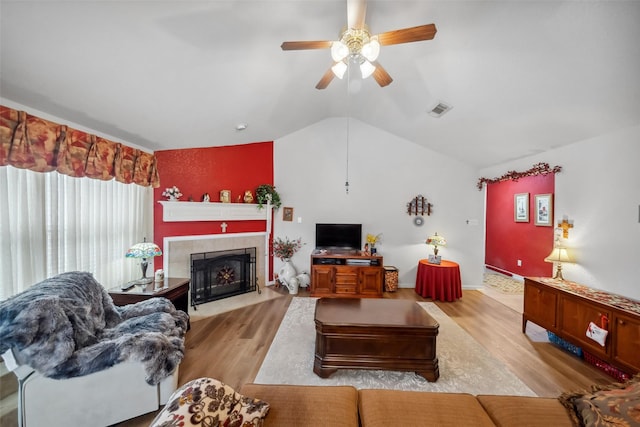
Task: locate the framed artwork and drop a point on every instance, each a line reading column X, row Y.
column 287, row 214
column 544, row 210
column 521, row 207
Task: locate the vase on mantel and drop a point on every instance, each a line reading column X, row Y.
column 287, row 275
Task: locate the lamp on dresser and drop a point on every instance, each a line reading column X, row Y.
column 559, row 255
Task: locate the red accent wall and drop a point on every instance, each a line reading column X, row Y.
column 208, row 170
column 508, row 241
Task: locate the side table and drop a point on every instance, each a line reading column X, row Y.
column 175, row 289
column 439, row 281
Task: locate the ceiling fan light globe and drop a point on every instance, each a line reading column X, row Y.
column 371, row 50
column 339, row 69
column 339, row 51
column 367, row 68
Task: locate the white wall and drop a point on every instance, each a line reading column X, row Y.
column 385, row 172
column 599, row 188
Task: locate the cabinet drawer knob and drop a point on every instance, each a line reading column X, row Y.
column 620, row 322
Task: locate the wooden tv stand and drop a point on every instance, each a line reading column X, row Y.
column 346, row 274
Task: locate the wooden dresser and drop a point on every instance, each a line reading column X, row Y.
column 346, row 274
column 566, row 308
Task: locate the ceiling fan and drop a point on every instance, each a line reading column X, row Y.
column 358, row 45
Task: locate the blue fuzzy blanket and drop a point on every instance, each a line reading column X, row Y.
column 67, row 326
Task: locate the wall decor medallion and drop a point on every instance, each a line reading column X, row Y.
column 419, row 206
column 418, row 221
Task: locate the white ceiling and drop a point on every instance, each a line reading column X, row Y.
column 523, row 77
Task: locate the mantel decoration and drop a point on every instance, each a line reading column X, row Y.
column 285, row 249
column 436, row 241
column 172, row 193
column 266, row 193
column 537, row 169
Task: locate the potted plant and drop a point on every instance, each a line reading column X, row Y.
column 266, row 193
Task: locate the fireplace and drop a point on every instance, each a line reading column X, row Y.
column 221, row 274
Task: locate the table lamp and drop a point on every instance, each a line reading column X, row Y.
column 144, row 250
column 436, row 241
column 559, row 255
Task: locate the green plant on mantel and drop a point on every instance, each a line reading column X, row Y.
column 265, row 192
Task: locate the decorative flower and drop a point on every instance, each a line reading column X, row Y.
column 372, row 240
column 172, row 193
column 285, row 249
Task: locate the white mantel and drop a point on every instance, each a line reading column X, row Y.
column 211, row 211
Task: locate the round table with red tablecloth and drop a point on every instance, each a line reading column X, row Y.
column 439, row 281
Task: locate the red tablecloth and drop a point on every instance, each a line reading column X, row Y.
column 439, row 281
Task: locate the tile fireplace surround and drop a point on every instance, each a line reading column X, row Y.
column 178, row 249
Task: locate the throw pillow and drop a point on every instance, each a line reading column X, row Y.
column 615, row 404
column 208, row 402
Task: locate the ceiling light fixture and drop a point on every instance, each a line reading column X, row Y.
column 358, row 46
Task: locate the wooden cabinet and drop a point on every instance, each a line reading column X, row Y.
column 350, row 275
column 566, row 308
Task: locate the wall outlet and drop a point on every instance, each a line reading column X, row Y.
column 519, row 263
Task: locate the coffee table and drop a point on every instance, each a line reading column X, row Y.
column 369, row 333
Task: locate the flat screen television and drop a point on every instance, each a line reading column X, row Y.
column 338, row 236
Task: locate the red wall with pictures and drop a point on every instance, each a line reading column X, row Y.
column 198, row 171
column 508, row 241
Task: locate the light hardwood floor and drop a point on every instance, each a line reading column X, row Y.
column 231, row 346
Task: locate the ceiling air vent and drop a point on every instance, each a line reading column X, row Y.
column 439, row 109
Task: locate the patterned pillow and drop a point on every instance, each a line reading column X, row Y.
column 616, row 404
column 208, row 402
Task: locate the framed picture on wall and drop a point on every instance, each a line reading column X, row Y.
column 521, row 207
column 287, row 214
column 544, row 210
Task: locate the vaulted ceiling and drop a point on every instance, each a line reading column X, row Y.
column 523, row 77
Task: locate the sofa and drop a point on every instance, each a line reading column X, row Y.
column 206, row 401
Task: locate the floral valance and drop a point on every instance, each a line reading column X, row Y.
column 29, row 142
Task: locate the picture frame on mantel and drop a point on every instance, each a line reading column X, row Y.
column 521, row 207
column 544, row 210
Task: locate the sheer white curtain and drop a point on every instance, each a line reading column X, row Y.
column 51, row 223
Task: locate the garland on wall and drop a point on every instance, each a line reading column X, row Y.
column 537, row 169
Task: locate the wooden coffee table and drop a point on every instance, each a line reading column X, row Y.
column 368, row 333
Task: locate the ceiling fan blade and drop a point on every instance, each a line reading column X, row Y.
column 356, row 12
column 381, row 76
column 407, row 35
column 325, row 80
column 306, row 45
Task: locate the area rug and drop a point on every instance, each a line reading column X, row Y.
column 465, row 366
column 504, row 284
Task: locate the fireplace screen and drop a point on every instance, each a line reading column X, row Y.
column 222, row 274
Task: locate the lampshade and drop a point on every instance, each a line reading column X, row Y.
column 367, row 68
column 559, row 254
column 339, row 69
column 371, row 50
column 436, row 240
column 339, row 51
column 144, row 250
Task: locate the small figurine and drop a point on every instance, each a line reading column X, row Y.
column 366, row 250
column 205, row 197
column 248, row 197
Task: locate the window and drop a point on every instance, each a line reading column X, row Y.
column 52, row 223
